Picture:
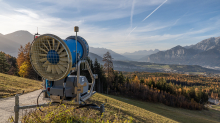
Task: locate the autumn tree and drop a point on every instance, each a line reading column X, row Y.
column 21, row 57
column 23, row 70
column 24, row 65
column 108, row 68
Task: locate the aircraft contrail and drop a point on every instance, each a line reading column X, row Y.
column 154, row 10
column 132, row 30
column 148, row 15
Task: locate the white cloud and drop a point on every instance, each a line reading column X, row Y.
column 29, row 13
column 13, row 18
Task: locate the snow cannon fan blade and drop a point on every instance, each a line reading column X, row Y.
column 54, row 58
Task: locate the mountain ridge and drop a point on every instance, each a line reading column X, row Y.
column 204, row 53
column 102, row 51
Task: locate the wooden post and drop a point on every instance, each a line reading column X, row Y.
column 16, row 108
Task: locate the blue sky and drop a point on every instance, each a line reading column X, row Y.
column 120, row 25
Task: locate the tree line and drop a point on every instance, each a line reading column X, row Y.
column 147, row 90
column 19, row 66
column 209, row 85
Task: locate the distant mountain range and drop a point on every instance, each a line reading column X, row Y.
column 139, row 55
column 204, row 53
column 93, row 56
column 131, row 66
column 11, row 42
column 102, row 51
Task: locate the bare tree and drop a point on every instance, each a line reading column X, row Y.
column 108, row 68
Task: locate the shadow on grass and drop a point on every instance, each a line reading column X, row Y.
column 176, row 114
column 116, row 110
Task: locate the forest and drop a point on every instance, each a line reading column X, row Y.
column 176, row 90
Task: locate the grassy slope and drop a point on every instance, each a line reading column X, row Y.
column 146, row 111
column 10, row 85
column 121, row 109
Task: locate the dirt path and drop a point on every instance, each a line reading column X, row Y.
column 7, row 104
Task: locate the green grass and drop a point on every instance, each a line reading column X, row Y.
column 11, row 85
column 156, row 66
column 196, row 73
column 179, row 66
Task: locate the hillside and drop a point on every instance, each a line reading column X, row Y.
column 21, row 37
column 10, row 85
column 207, row 44
column 11, row 42
column 176, row 55
column 119, row 109
column 8, row 46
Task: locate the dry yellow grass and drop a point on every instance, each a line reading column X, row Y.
column 156, row 112
column 126, row 109
column 119, row 109
column 10, row 85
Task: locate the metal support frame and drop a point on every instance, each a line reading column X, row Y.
column 91, row 92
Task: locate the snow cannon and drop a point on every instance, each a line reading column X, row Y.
column 59, row 63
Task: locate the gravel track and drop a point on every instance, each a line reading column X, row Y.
column 7, row 105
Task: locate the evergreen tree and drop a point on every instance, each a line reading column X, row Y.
column 115, row 82
column 97, row 67
column 121, row 78
column 142, row 81
column 97, row 70
column 4, row 66
column 12, row 61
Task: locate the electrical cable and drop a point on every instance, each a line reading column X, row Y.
column 83, row 101
column 38, row 98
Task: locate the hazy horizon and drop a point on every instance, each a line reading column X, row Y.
column 115, row 51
